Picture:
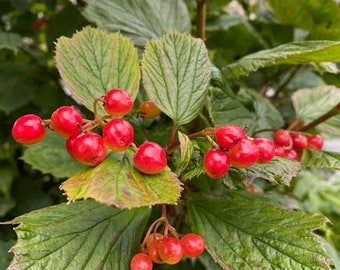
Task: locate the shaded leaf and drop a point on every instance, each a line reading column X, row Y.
column 140, row 20
column 5, row 256
column 246, row 234
column 116, row 182
column 93, row 62
column 80, row 235
column 320, row 159
column 10, row 41
column 50, row 156
column 176, row 73
column 290, row 53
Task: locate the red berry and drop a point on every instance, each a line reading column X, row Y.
column 282, row 138
column 315, row 142
column 150, row 158
column 66, row 121
column 152, row 237
column 300, row 141
column 88, row 148
column 251, row 188
column 192, row 244
column 244, row 154
column 28, row 129
column 153, row 251
column 118, row 134
column 216, row 163
column 266, row 149
column 291, row 154
column 228, row 136
column 149, row 110
column 279, row 151
column 118, row 102
column 170, row 250
column 141, row 261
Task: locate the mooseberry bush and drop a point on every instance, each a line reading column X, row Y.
column 157, row 134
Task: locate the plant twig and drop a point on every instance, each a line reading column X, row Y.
column 335, row 110
column 201, row 18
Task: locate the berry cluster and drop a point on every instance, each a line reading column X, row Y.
column 89, row 147
column 234, row 147
column 290, row 143
column 166, row 249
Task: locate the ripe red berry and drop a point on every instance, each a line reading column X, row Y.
column 118, row 102
column 300, row 141
column 170, row 250
column 153, row 251
column 266, row 149
column 28, row 129
column 152, row 237
column 315, row 142
column 149, row 110
column 141, row 261
column 66, row 121
column 291, row 154
column 244, row 154
column 216, row 163
column 192, row 244
column 118, row 134
column 150, row 158
column 279, row 151
column 87, row 148
column 282, row 138
column 228, row 136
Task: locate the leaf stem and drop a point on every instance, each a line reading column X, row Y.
column 201, row 18
column 334, row 111
column 171, row 138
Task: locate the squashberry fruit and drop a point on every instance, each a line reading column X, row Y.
column 244, row 154
column 216, row 163
column 87, row 148
column 192, row 244
column 66, row 121
column 149, row 110
column 28, row 129
column 282, row 138
column 266, row 149
column 279, row 151
column 153, row 251
column 118, row 134
column 118, row 102
column 141, row 261
column 300, row 141
column 315, row 142
column 150, row 158
column 291, row 154
column 228, row 136
column 170, row 250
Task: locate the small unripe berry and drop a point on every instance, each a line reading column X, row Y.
column 149, row 110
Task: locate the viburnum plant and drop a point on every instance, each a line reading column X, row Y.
column 169, row 168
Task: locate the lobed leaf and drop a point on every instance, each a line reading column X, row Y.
column 242, row 233
column 50, row 156
column 176, row 73
column 320, row 159
column 81, row 235
column 141, row 20
column 290, row 53
column 93, row 62
column 116, row 182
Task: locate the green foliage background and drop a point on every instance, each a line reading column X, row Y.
column 273, row 64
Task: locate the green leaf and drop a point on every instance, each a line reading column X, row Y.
column 324, row 98
column 50, row 156
column 246, row 234
column 81, row 235
column 320, row 159
column 277, row 171
column 7, row 174
column 187, row 150
column 140, row 20
column 290, row 53
column 93, row 62
column 116, row 182
column 10, row 41
column 176, row 73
